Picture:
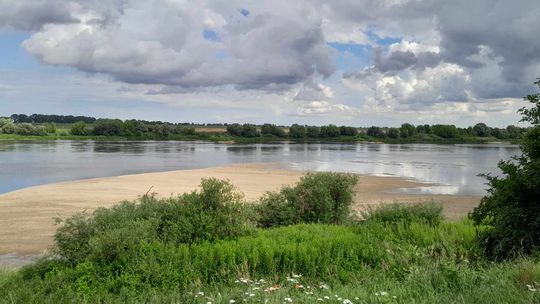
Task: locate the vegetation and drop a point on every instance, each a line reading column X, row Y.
column 21, row 126
column 402, row 213
column 204, row 247
column 511, row 210
column 317, row 198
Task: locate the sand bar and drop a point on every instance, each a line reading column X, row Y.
column 26, row 215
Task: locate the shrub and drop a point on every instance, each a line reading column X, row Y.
column 376, row 132
column 348, row 131
column 445, row 131
column 234, row 129
column 29, row 129
column 7, row 126
column 270, row 129
column 79, row 129
column 323, row 197
column 108, row 127
column 511, row 209
column 297, row 131
column 50, row 127
column 313, row 131
column 330, row 131
column 406, row 213
column 215, row 212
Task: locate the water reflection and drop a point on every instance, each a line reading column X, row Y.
column 454, row 168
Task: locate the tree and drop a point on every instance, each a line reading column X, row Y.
column 393, row 133
column 348, row 131
column 79, row 129
column 249, row 130
column 271, row 129
column 234, row 129
column 511, row 209
column 108, row 127
column 445, row 131
column 297, row 131
column 376, row 132
column 482, row 130
column 134, row 128
column 330, row 131
column 313, row 131
column 407, row 130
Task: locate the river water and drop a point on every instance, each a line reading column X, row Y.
column 452, row 168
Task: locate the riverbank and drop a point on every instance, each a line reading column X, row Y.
column 27, row 215
column 219, row 137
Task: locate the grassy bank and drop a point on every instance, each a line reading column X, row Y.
column 367, row 263
column 225, row 138
column 209, row 246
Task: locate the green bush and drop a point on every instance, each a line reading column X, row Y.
column 324, row 197
column 511, row 209
column 215, row 212
column 79, row 129
column 27, row 129
column 127, row 266
column 406, row 213
column 50, row 127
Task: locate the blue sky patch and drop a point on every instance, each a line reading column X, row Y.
column 210, row 35
column 244, row 12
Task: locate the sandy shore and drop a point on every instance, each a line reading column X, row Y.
column 26, row 215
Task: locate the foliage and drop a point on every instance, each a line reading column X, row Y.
column 215, row 212
column 141, row 269
column 26, row 129
column 376, row 132
column 50, row 127
column 393, row 133
column 348, row 131
column 430, row 213
column 43, row 118
column 511, row 210
column 407, row 130
column 313, row 131
column 482, row 130
column 323, row 197
column 108, row 127
column 79, row 128
column 445, row 131
column 271, row 129
column 329, row 131
column 297, row 131
column 134, row 128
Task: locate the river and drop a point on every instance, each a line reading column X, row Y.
column 453, row 169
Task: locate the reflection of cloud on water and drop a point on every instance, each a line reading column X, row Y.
column 433, row 190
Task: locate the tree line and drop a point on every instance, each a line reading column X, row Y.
column 40, row 124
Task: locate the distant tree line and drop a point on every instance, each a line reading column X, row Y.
column 40, row 124
column 445, row 131
column 43, row 118
column 131, row 128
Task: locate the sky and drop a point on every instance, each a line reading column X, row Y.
column 347, row 62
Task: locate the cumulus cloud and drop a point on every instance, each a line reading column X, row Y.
column 449, row 54
column 168, row 43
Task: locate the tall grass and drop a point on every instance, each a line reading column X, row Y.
column 203, row 247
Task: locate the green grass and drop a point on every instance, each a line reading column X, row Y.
column 204, row 247
column 415, row 262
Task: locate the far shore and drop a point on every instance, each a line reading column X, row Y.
column 27, row 215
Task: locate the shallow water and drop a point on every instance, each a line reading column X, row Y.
column 454, row 168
